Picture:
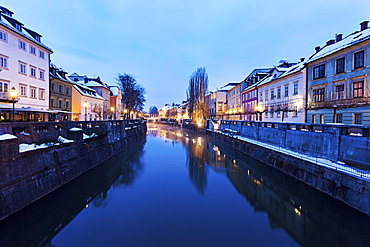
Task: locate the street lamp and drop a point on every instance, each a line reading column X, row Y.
column 13, row 93
column 125, row 112
column 259, row 112
column 114, row 114
column 86, row 105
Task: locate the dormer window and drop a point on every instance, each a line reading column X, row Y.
column 18, row 26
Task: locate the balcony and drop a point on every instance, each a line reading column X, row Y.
column 338, row 95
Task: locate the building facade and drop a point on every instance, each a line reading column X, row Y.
column 87, row 104
column 338, row 78
column 24, row 64
column 60, row 95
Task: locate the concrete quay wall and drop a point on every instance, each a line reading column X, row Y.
column 26, row 177
column 349, row 144
column 351, row 190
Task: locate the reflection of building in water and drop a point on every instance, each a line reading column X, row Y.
column 310, row 217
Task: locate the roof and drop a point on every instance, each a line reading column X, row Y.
column 352, row 39
column 86, row 91
column 25, row 32
column 115, row 90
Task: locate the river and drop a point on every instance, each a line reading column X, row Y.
column 177, row 188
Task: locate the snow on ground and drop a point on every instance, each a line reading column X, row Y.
column 23, row 147
column 7, row 137
column 338, row 166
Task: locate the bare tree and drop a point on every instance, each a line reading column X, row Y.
column 133, row 98
column 98, row 110
column 197, row 89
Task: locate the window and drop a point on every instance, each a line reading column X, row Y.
column 319, row 71
column 340, row 65
column 261, row 96
column 339, row 92
column 271, row 111
column 67, row 104
column 61, row 89
column 295, row 88
column 219, row 107
column 357, row 118
column 3, row 62
column 32, row 50
column 3, row 36
column 278, row 92
column 67, row 90
column 53, row 87
column 286, row 91
column 359, row 59
column 272, row 94
column 322, row 119
column 4, row 86
column 266, row 95
column 33, row 71
column 42, row 75
column 42, row 94
column 22, row 68
column 42, row 54
column 339, row 118
column 319, row 95
column 60, row 103
column 295, row 111
column 314, row 119
column 22, row 45
column 33, row 92
column 358, row 89
column 52, row 102
column 23, row 90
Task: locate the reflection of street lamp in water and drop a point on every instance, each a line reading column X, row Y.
column 86, row 105
column 125, row 112
column 13, row 93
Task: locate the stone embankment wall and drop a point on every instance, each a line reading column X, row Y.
column 346, row 143
column 352, row 190
column 27, row 176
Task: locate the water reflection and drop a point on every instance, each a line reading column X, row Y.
column 310, row 217
column 37, row 224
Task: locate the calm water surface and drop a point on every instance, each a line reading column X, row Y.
column 179, row 189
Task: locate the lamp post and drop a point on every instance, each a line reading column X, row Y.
column 13, row 93
column 259, row 112
column 124, row 113
column 113, row 113
column 86, row 105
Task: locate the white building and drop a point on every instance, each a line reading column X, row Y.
column 87, row 104
column 24, row 64
column 282, row 94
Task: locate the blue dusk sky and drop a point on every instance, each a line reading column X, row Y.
column 162, row 43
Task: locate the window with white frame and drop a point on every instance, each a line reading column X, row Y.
column 53, row 87
column 41, row 74
column 22, row 45
column 278, row 92
column 266, row 95
column 32, row 50
column 3, row 36
column 319, row 72
column 272, row 94
column 261, row 96
column 359, row 59
column 33, row 92
column 295, row 88
column 22, row 68
column 23, row 90
column 4, row 86
column 42, row 54
column 41, row 93
column 32, row 71
column 286, row 91
column 3, row 62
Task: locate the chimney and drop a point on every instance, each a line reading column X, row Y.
column 302, row 59
column 330, row 42
column 317, row 48
column 338, row 37
column 363, row 25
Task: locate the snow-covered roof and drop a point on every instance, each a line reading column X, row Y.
column 25, row 32
column 86, row 91
column 350, row 40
